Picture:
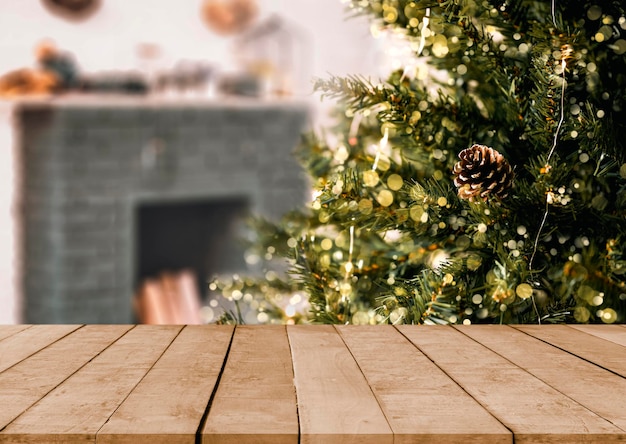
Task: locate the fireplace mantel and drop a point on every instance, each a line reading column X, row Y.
column 114, row 101
column 86, row 163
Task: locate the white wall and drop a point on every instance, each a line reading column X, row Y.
column 107, row 41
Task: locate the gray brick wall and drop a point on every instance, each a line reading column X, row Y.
column 85, row 168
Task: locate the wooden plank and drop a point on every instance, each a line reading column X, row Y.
column 531, row 409
column 604, row 353
column 10, row 330
column 168, row 404
column 420, row 401
column 600, row 391
column 335, row 402
column 27, row 382
column 256, row 398
column 28, row 341
column 611, row 333
column 79, row 407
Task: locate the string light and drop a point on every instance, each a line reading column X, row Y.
column 354, row 128
column 541, row 226
column 380, row 147
column 422, row 43
column 410, row 68
column 350, row 250
column 349, row 267
column 566, row 52
column 425, row 31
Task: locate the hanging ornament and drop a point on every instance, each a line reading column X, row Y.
column 226, row 17
column 72, row 9
column 482, row 172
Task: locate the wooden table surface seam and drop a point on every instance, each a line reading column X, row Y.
column 312, row 384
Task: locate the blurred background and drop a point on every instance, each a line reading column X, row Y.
column 151, row 96
column 105, row 36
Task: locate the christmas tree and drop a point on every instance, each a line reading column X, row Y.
column 484, row 181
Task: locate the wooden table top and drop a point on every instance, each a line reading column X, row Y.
column 312, row 384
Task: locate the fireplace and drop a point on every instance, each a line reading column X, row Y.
column 203, row 236
column 113, row 190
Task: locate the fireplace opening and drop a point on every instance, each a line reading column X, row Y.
column 180, row 245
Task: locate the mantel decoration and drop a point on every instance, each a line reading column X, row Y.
column 484, row 181
column 72, row 9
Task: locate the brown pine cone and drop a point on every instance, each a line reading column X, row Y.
column 482, row 172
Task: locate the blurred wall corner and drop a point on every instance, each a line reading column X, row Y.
column 9, row 309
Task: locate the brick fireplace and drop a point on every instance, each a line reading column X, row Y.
column 88, row 168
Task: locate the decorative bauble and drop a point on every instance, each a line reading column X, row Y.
column 72, row 9
column 482, row 172
column 226, row 17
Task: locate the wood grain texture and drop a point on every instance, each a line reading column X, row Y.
column 313, row 384
column 420, row 401
column 602, row 392
column 601, row 352
column 187, row 373
column 75, row 410
column 534, row 411
column 335, row 402
column 22, row 385
column 21, row 345
column 256, row 398
column 9, row 330
column 611, row 333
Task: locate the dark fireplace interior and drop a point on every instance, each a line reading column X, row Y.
column 203, row 236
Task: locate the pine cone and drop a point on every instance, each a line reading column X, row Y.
column 482, row 172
